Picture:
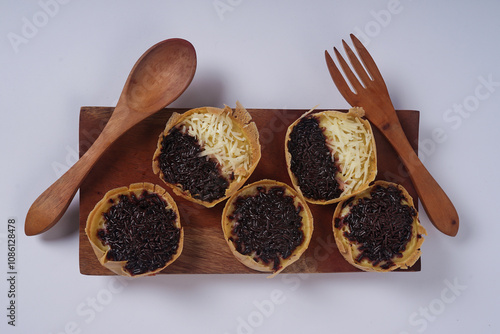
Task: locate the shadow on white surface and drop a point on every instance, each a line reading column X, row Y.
column 67, row 226
column 206, row 89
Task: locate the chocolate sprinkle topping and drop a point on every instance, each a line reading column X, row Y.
column 182, row 165
column 268, row 224
column 312, row 162
column 140, row 231
column 381, row 225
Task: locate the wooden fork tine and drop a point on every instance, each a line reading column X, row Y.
column 339, row 80
column 360, row 70
column 348, row 72
column 368, row 61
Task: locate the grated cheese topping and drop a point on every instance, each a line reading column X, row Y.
column 220, row 139
column 350, row 143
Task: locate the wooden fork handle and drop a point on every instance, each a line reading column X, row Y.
column 436, row 203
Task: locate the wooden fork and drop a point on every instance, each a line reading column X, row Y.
column 370, row 92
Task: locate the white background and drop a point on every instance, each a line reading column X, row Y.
column 436, row 57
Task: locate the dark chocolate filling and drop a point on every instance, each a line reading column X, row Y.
column 141, row 231
column 381, row 225
column 268, row 224
column 311, row 161
column 182, row 165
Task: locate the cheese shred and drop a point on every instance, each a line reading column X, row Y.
column 220, row 139
column 350, row 144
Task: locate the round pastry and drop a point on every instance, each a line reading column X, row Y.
column 378, row 229
column 267, row 226
column 136, row 230
column 330, row 155
column 206, row 154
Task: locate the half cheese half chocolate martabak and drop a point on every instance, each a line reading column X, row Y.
column 136, row 230
column 330, row 155
column 206, row 154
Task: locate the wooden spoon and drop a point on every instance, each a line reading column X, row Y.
column 158, row 78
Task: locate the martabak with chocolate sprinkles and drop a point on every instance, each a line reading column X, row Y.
column 378, row 229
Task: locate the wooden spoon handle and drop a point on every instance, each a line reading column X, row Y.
column 49, row 207
column 436, row 203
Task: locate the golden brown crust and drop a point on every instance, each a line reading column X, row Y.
column 95, row 222
column 356, row 112
column 242, row 120
column 349, row 250
column 307, row 226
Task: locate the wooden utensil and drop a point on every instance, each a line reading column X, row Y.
column 370, row 92
column 159, row 77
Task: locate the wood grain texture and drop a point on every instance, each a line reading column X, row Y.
column 205, row 251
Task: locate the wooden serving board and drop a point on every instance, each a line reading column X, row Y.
column 205, row 251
